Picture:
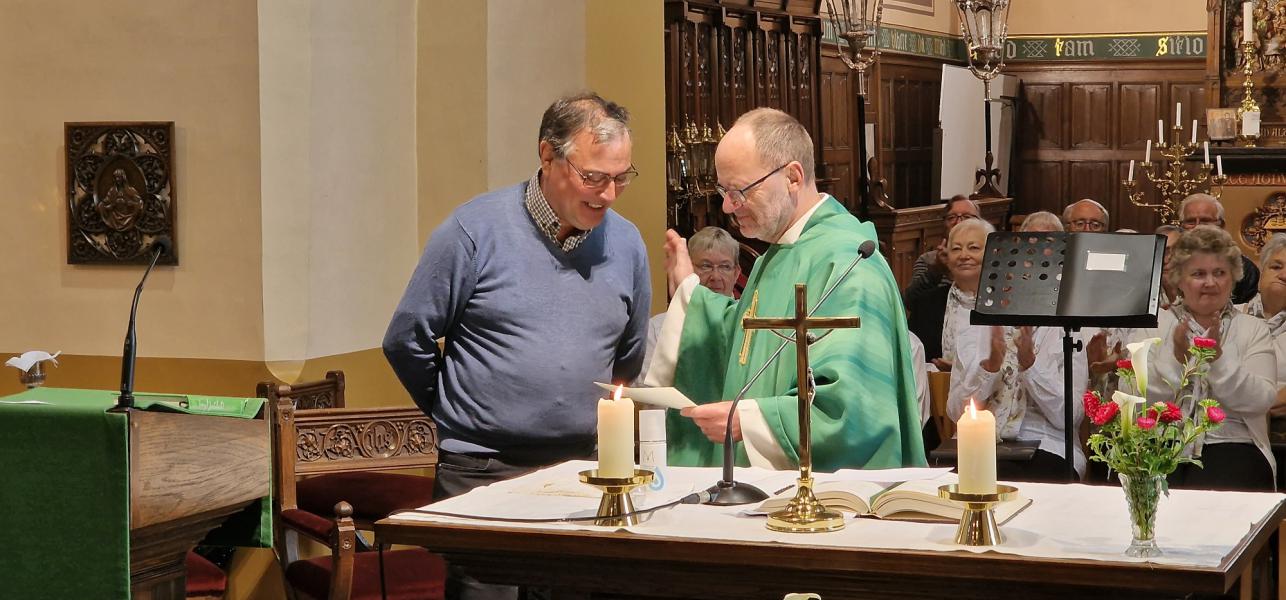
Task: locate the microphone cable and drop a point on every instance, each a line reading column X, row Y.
column 693, row 498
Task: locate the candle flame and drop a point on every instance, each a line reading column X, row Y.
column 617, row 394
column 973, row 410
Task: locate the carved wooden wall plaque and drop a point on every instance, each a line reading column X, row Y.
column 120, row 192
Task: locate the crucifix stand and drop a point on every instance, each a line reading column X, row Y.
column 804, row 514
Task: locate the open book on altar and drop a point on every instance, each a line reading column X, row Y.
column 905, row 501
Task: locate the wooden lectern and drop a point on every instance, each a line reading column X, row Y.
column 109, row 501
column 181, row 489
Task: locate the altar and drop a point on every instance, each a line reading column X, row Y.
column 1067, row 544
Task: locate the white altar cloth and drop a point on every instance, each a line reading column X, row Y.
column 1064, row 521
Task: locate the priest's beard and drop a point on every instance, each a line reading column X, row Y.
column 769, row 221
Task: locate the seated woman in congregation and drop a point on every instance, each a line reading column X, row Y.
column 965, row 246
column 1270, row 305
column 1243, row 376
column 1015, row 372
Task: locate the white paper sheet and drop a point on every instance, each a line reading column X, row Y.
column 665, row 397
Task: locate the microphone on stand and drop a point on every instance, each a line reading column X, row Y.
column 160, row 245
column 727, row 492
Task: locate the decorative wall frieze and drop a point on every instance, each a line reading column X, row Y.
column 1123, row 46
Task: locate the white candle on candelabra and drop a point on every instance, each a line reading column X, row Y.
column 1147, row 154
column 616, row 436
column 1160, row 132
column 1194, row 131
column 1206, row 150
column 1131, row 177
column 1178, row 113
column 1248, row 21
column 1219, row 159
column 976, row 456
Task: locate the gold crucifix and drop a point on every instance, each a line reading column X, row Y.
column 804, row 513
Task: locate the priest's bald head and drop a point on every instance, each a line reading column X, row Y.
column 765, row 167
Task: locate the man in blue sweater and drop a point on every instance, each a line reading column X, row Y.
column 539, row 290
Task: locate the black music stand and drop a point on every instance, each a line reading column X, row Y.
column 1070, row 280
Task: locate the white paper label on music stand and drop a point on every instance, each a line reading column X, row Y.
column 1104, row 261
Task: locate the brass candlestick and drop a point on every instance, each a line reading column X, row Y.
column 1172, row 179
column 1248, row 104
column 616, row 509
column 978, row 523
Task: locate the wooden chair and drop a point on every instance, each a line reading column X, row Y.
column 372, row 493
column 331, row 442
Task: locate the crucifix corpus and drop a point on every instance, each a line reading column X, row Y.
column 804, row 514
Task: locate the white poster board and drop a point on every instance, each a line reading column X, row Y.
column 963, row 148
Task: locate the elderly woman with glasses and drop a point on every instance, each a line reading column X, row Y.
column 1242, row 377
column 1016, row 372
column 1270, row 305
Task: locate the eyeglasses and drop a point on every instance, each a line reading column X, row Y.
column 1087, row 225
column 1191, row 222
column 596, row 179
column 954, row 218
column 706, row 268
column 738, row 197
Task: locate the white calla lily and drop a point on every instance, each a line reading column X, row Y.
column 1139, row 360
column 1127, row 402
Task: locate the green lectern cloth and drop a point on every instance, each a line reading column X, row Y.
column 64, row 490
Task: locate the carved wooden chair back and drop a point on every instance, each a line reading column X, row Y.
column 324, row 393
column 322, row 443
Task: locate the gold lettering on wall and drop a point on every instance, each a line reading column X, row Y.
column 1249, row 179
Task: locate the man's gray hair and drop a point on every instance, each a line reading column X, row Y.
column 1168, row 229
column 1199, row 197
column 780, row 139
column 1042, row 218
column 714, row 239
column 569, row 115
column 1275, row 244
column 970, row 225
column 1067, row 212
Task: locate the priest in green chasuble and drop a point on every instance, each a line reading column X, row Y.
column 865, row 413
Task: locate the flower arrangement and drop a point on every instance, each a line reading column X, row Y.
column 1141, row 440
column 1145, row 443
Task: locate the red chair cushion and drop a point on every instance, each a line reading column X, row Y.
column 315, row 525
column 414, row 574
column 203, row 577
column 373, row 495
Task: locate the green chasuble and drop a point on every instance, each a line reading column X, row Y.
column 865, row 413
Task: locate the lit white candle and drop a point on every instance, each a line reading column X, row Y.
column 1219, row 159
column 616, row 436
column 976, row 438
column 1194, row 131
column 1206, row 150
column 1160, row 132
column 1248, row 21
column 1147, row 154
column 1131, row 177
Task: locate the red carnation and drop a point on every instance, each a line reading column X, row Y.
column 1214, row 414
column 1146, row 422
column 1104, row 413
column 1091, row 402
column 1204, row 342
column 1124, row 363
column 1171, row 413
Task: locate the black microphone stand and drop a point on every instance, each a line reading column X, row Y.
column 728, row 492
column 128, row 355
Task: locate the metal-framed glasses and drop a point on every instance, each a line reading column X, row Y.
column 953, row 218
column 705, row 268
column 1087, row 225
column 738, row 197
column 597, row 179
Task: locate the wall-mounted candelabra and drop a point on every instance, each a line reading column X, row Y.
column 1172, row 177
column 1248, row 113
column 690, row 171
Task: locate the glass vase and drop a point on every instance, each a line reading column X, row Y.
column 1142, row 494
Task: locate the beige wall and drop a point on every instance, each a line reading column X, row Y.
column 1038, row 17
column 943, row 19
column 191, row 62
column 626, row 63
column 535, row 53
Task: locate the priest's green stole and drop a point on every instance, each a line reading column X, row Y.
column 865, row 413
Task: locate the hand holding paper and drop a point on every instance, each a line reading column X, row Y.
column 665, row 397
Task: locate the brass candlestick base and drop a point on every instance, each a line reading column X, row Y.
column 616, row 509
column 805, row 514
column 978, row 524
column 1247, row 141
